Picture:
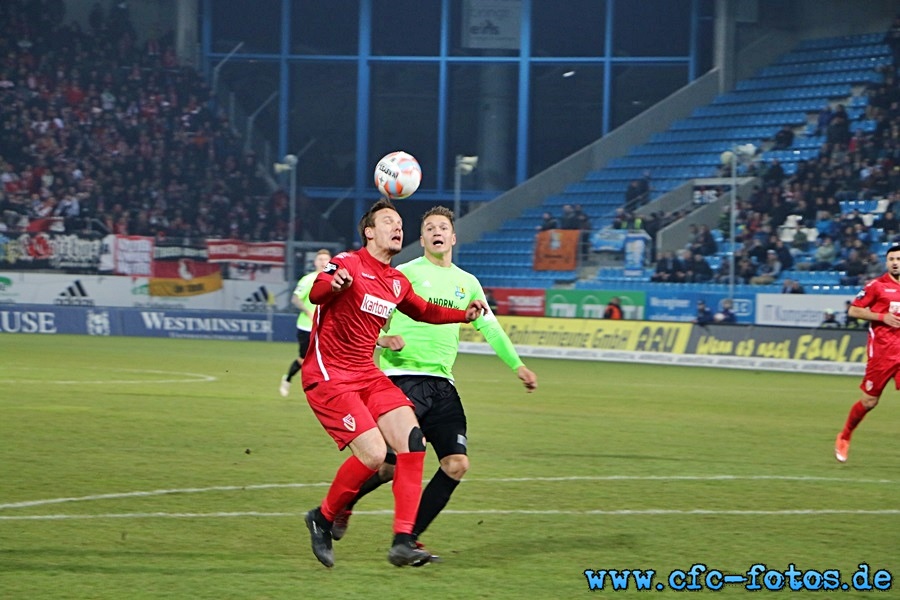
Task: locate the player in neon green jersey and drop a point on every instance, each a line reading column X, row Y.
column 300, row 299
column 419, row 360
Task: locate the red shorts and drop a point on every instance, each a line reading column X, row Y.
column 347, row 409
column 878, row 373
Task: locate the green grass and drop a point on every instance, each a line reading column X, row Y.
column 85, row 417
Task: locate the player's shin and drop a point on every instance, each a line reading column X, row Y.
column 407, row 489
column 349, row 479
column 434, row 498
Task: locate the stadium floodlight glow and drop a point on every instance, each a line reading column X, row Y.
column 464, row 166
column 289, row 164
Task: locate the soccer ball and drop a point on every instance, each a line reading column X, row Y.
column 398, row 175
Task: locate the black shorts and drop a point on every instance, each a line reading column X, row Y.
column 439, row 411
column 303, row 341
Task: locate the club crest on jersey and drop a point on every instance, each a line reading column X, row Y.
column 377, row 306
column 460, row 292
column 397, row 288
column 349, row 423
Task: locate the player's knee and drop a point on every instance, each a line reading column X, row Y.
column 372, row 459
column 870, row 402
column 455, row 466
column 416, row 440
column 370, row 450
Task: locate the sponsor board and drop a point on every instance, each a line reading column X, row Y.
column 50, row 320
column 518, row 301
column 118, row 291
column 779, row 343
column 798, row 310
column 590, row 304
column 681, row 306
column 33, row 319
column 590, row 334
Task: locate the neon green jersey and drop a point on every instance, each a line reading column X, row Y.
column 431, row 349
column 304, row 285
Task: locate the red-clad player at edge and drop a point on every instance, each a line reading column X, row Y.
column 878, row 303
column 354, row 401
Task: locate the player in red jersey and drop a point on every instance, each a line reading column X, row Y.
column 355, row 402
column 878, row 303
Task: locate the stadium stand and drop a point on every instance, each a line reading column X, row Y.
column 101, row 135
column 836, row 179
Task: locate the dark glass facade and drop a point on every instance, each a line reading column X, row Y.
column 520, row 83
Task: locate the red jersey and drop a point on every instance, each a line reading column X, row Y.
column 346, row 325
column 881, row 295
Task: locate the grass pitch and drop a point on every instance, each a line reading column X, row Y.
column 150, row 468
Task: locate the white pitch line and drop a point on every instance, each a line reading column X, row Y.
column 617, row 513
column 193, row 378
column 218, row 488
column 265, row 486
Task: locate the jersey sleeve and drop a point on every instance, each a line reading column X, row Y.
column 417, row 308
column 866, row 296
column 488, row 325
column 320, row 290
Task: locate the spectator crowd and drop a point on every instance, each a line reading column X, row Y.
column 855, row 163
column 102, row 134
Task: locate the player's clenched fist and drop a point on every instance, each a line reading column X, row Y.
column 476, row 309
column 341, row 280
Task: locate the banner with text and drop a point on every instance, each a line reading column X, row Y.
column 590, row 334
column 267, row 253
column 127, row 255
column 799, row 310
column 678, row 305
column 49, row 251
column 219, row 325
column 184, row 277
column 835, row 345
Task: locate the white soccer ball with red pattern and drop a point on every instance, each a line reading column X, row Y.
column 397, row 175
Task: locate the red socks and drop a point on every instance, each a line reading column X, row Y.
column 407, row 490
column 857, row 412
column 349, row 478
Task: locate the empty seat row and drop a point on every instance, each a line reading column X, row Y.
column 841, row 53
column 843, row 41
column 825, row 66
column 784, row 93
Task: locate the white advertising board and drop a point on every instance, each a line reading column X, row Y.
column 134, row 292
column 798, row 310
